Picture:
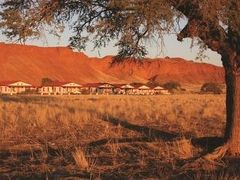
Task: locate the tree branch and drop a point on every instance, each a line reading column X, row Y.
column 208, row 30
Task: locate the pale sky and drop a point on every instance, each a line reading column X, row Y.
column 172, row 48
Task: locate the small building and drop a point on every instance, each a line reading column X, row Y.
column 159, row 90
column 99, row 88
column 15, row 87
column 89, row 88
column 105, row 88
column 72, row 88
column 60, row 88
column 123, row 89
column 141, row 89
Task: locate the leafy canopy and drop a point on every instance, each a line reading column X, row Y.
column 130, row 22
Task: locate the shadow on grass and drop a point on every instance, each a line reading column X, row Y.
column 25, row 98
column 147, row 131
column 208, row 143
column 119, row 140
column 151, row 134
column 52, row 175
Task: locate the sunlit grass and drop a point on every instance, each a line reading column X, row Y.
column 104, row 136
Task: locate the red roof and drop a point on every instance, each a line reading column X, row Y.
column 118, row 85
column 137, row 85
column 94, row 84
column 56, row 83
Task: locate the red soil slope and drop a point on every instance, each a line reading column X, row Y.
column 31, row 64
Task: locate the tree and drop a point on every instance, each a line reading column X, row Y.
column 211, row 87
column 46, row 81
column 172, row 85
column 130, row 22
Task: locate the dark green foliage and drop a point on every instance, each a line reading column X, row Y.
column 99, row 21
column 172, row 85
column 211, row 88
column 128, row 23
column 46, row 81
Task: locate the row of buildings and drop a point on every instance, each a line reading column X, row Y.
column 71, row 88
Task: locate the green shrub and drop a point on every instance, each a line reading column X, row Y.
column 46, row 81
column 172, row 85
column 211, row 88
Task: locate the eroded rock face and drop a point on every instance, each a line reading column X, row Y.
column 31, row 64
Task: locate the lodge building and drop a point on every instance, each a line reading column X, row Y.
column 15, row 87
column 99, row 88
column 60, row 88
column 72, row 88
column 126, row 89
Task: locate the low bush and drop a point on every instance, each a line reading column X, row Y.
column 172, row 86
column 211, row 88
column 46, row 81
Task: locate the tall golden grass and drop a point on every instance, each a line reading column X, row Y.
column 105, row 136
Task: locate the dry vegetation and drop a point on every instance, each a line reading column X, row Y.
column 110, row 137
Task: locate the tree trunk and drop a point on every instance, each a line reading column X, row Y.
column 232, row 131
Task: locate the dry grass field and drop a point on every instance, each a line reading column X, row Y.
column 110, row 137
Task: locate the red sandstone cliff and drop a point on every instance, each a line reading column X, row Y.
column 31, row 64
